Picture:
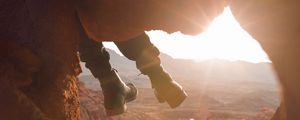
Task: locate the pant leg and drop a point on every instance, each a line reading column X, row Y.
column 96, row 57
column 142, row 51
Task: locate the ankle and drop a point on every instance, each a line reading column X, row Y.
column 158, row 76
column 108, row 78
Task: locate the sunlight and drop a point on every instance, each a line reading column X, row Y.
column 223, row 39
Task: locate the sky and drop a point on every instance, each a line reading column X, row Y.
column 223, row 39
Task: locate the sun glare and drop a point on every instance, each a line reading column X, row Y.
column 223, row 39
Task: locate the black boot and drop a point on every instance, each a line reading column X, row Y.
column 146, row 55
column 165, row 88
column 116, row 93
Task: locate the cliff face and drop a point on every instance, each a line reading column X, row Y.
column 91, row 104
column 198, row 106
column 48, row 90
column 32, row 88
column 49, row 29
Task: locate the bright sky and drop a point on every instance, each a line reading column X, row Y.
column 223, row 39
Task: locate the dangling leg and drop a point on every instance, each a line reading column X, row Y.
column 116, row 92
column 146, row 56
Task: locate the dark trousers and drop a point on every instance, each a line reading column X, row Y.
column 138, row 49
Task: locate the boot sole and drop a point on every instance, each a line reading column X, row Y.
column 174, row 95
column 135, row 91
column 159, row 98
column 119, row 111
column 176, row 100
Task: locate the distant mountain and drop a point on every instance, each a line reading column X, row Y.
column 121, row 63
column 217, row 89
column 191, row 72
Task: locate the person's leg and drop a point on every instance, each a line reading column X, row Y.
column 116, row 92
column 96, row 58
column 146, row 56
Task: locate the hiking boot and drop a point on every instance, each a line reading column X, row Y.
column 116, row 93
column 166, row 89
column 158, row 96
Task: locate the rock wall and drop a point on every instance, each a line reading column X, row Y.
column 33, row 89
column 91, row 104
column 39, row 83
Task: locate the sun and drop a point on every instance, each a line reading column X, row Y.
column 223, row 39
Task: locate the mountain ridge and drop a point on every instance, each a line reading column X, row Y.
column 217, row 89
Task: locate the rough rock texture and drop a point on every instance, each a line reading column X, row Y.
column 17, row 66
column 276, row 26
column 106, row 20
column 33, row 90
column 48, row 91
column 50, row 30
column 91, row 104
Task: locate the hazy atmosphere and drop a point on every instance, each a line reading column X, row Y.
column 218, row 90
column 223, row 39
column 224, row 70
column 181, row 60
